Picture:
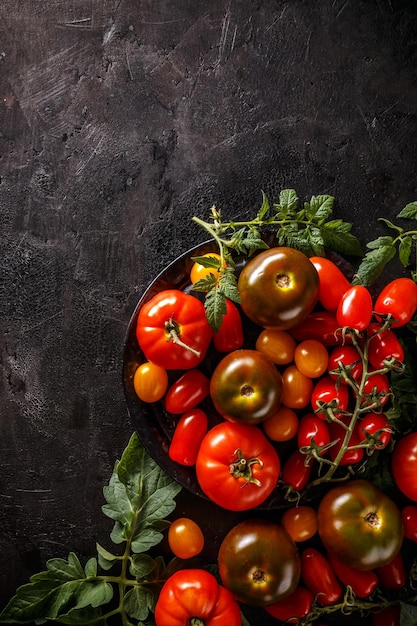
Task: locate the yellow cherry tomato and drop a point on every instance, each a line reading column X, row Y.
column 150, row 382
column 185, row 538
column 199, row 272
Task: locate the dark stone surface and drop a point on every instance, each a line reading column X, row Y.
column 120, row 120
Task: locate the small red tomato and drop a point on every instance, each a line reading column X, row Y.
column 355, row 308
column 375, row 428
column 390, row 616
column 376, row 390
column 313, row 431
column 230, row 335
column 187, row 437
column 323, row 326
column 319, row 577
column 291, row 608
column 327, row 392
column 345, row 361
column 409, row 517
column 404, row 465
column 188, row 391
column 350, row 457
column 393, row 575
column 296, row 472
column 383, row 346
column 398, row 299
column 332, row 282
column 362, row 582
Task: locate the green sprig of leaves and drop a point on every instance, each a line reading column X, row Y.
column 139, row 497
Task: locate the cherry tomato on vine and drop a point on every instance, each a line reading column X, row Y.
column 230, row 335
column 282, row 425
column 409, row 517
column 327, row 391
column 277, row 345
column 187, row 437
column 383, row 346
column 313, row 432
column 300, row 522
column 390, row 616
column 291, row 608
column 323, row 326
column 345, row 361
column 355, row 308
column 278, row 287
column 296, row 388
column 363, row 583
column 404, row 465
column 375, row 428
column 212, row 265
column 296, row 472
column 259, row 562
column 399, row 299
column 185, row 538
column 376, row 390
column 150, row 382
column 185, row 393
column 393, row 575
column 319, row 577
column 195, row 594
column 237, row 467
column 311, row 358
column 337, row 435
column 333, row 283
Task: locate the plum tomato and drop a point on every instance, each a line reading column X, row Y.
column 296, row 388
column 404, row 465
column 187, row 391
column 393, row 575
column 246, row 387
column 313, row 431
column 230, row 334
column 278, row 288
column 211, row 264
column 282, row 425
column 355, row 308
column 345, row 361
column 319, row 577
column 362, row 582
column 185, row 538
column 297, row 470
column 399, row 299
column 390, row 616
column 360, row 524
column 311, row 357
column 300, row 522
column 383, row 346
column 188, row 435
column 277, row 345
column 323, row 326
column 150, row 382
column 259, row 562
column 291, row 608
column 333, row 283
column 328, row 392
column 374, row 428
column 409, row 517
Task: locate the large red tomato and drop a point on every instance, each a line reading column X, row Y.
column 278, row 288
column 404, row 465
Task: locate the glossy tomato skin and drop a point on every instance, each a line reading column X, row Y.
column 351, row 456
column 278, row 288
column 292, row 607
column 319, row 577
column 311, row 358
column 277, row 345
column 150, row 382
column 360, row 524
column 404, row 465
column 201, row 272
column 188, row 435
column 230, row 335
column 375, row 428
column 296, row 472
column 185, row 538
column 376, row 390
column 355, row 308
column 195, row 593
column 296, row 388
column 224, row 479
column 187, row 392
column 399, row 299
column 345, row 360
column 383, row 346
column 393, row 575
column 327, row 391
column 322, row 326
column 300, row 522
column 332, row 282
column 313, row 431
column 246, row 387
column 259, row 562
column 363, row 583
column 282, row 425
column 409, row 517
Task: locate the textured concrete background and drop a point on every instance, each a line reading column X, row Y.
column 119, row 121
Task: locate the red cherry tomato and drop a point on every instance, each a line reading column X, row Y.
column 404, row 465
column 345, row 359
column 376, row 390
column 409, row 517
column 187, row 437
column 383, row 346
column 362, row 582
column 293, row 607
column 296, row 472
column 230, row 335
column 350, row 457
column 355, row 308
column 398, row 299
column 188, row 391
column 393, row 574
column 319, row 577
column 332, row 282
column 371, row 424
column 323, row 326
column 327, row 391
column 390, row 616
column 312, row 430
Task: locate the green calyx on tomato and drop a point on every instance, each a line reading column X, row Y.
column 172, row 330
column 259, row 562
column 246, row 387
column 360, row 524
column 278, row 288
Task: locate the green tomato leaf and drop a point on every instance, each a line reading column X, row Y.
column 141, row 565
column 409, row 211
column 138, row 602
column 207, row 261
column 320, row 207
column 264, row 207
column 337, row 237
column 380, row 252
column 288, row 201
column 215, row 305
column 408, row 616
column 404, row 250
column 106, row 559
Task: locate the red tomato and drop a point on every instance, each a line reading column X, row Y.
column 150, row 382
column 296, row 472
column 185, row 538
column 296, row 388
column 188, row 391
column 327, row 392
column 237, row 467
column 362, row 582
column 350, row 457
column 230, row 334
column 390, row 616
column 376, row 390
column 300, row 522
column 398, row 299
column 355, row 308
column 319, row 577
column 282, row 425
column 187, row 437
column 332, row 282
column 375, row 428
column 296, row 605
column 313, row 431
column 404, row 465
column 393, row 574
column 409, row 517
column 323, row 326
column 383, row 346
column 345, row 361
column 311, row 358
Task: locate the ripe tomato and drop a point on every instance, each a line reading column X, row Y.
column 327, row 392
column 186, row 392
column 404, row 465
column 398, row 299
column 313, row 431
column 282, row 425
column 296, row 470
column 246, row 387
column 278, row 288
column 185, row 538
column 333, row 283
column 375, row 428
column 291, row 608
column 383, row 346
column 376, row 390
column 230, row 335
column 355, row 308
column 409, row 517
column 277, row 345
column 363, row 583
column 237, row 467
column 319, row 577
column 360, row 524
column 212, row 265
column 390, row 616
column 296, row 388
column 311, row 358
column 187, row 437
column 345, row 360
column 337, row 435
column 323, row 326
column 393, row 575
column 150, row 382
column 300, row 522
column 259, row 562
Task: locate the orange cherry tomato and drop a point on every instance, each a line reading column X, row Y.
column 282, row 425
column 150, row 382
column 200, row 272
column 311, row 358
column 296, row 388
column 277, row 345
column 185, row 538
column 300, row 522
